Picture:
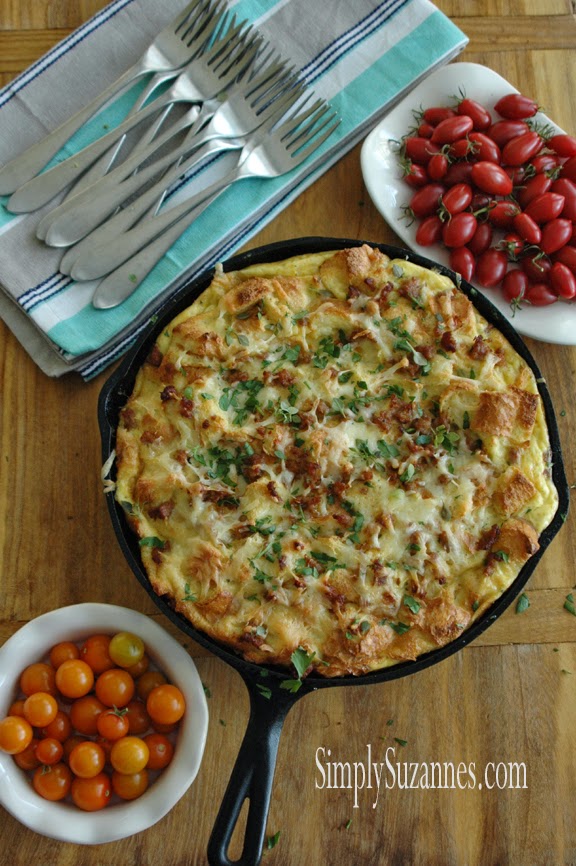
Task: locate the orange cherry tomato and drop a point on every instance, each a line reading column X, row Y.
column 52, row 783
column 115, row 687
column 70, row 744
column 16, row 708
column 87, row 759
column 60, row 727
column 129, row 755
column 140, row 668
column 106, row 745
column 15, row 734
column 62, row 652
column 74, row 678
column 166, row 704
column 147, row 682
column 161, row 751
column 113, row 724
column 40, row 709
column 27, row 759
column 84, row 714
column 138, row 718
column 164, row 729
column 94, row 651
column 49, row 751
column 129, row 786
column 38, row 677
column 92, row 794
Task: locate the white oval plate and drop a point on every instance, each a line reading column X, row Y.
column 383, row 179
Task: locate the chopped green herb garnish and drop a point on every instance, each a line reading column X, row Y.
column 152, row 541
column 523, row 603
column 411, row 603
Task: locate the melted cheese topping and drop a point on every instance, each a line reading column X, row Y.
column 335, row 453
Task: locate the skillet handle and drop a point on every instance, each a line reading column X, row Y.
column 251, row 777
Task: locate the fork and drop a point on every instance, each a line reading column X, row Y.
column 149, row 202
column 203, row 78
column 197, row 38
column 248, row 106
column 168, row 52
column 272, row 152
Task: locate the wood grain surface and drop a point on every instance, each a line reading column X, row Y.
column 509, row 697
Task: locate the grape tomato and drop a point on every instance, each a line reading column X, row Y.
column 514, row 106
column 498, row 191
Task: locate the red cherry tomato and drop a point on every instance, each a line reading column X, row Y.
column 533, row 187
column 429, row 231
column 512, row 244
column 479, row 115
column 425, row 130
column 545, row 207
column 459, row 230
column 481, row 239
column 540, row 295
column 458, row 172
column 514, row 106
column 438, row 166
column 569, row 169
column 504, row 130
column 425, row 201
column 461, row 149
column 545, row 163
column 503, row 213
column 484, row 148
column 490, row 178
column 521, row 149
column 555, row 234
column 491, row 267
column 463, row 262
column 537, row 267
column 567, row 255
column 420, row 150
column 562, row 144
column 452, row 129
column 563, row 281
column 457, row 198
column 567, row 188
column 416, row 175
column 436, row 114
column 516, row 173
column 514, row 285
column 527, row 228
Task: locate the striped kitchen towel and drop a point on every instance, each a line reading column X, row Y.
column 361, row 56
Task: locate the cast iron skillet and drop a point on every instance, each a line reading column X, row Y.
column 253, row 772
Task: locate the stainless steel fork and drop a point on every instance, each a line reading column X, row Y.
column 198, row 35
column 273, row 152
column 168, row 52
column 203, row 78
column 247, row 107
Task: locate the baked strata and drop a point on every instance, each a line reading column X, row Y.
column 335, row 453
